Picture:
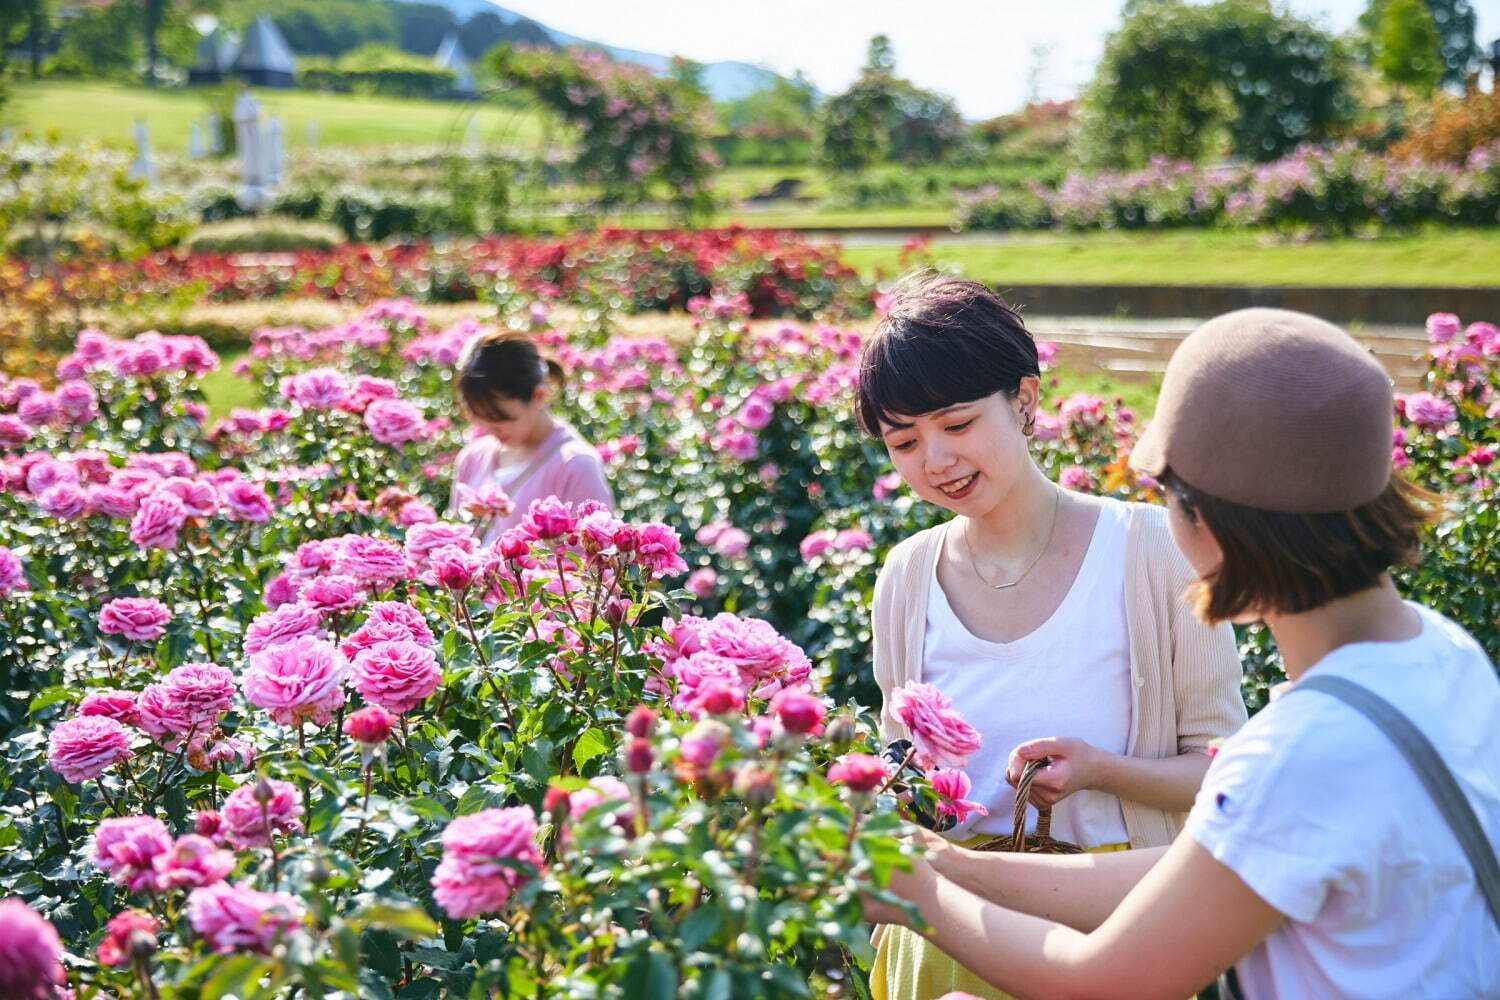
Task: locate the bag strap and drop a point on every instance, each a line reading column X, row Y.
column 537, row 461
column 1438, row 780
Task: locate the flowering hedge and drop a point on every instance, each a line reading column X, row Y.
column 274, row 720
column 1334, row 190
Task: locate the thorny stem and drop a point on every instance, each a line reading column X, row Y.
column 265, row 818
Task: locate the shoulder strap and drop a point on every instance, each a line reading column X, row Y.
column 1425, row 760
column 537, row 461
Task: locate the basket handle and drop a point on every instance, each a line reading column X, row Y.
column 1023, row 796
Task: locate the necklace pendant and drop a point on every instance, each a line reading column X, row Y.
column 1005, row 586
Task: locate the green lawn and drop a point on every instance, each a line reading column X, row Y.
column 106, row 111
column 1461, row 258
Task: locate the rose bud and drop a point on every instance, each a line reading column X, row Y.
column 841, row 733
column 616, row 611
column 370, row 725
column 755, row 787
column 639, row 756
column 799, row 711
column 640, row 721
column 263, row 792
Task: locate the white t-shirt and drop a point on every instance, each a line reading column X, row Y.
column 1317, row 811
column 1068, row 677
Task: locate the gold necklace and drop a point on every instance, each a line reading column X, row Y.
column 969, row 549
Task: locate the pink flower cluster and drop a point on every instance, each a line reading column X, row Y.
column 149, row 355
column 30, row 954
column 139, row 853
column 234, row 917
column 719, row 663
column 185, row 703
column 477, row 873
column 827, row 540
column 941, row 736
column 253, row 813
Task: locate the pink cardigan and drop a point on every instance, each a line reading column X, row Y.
column 572, row 473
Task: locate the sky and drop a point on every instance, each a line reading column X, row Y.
column 989, row 55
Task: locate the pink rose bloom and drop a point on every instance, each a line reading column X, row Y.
column 378, row 562
column 199, row 497
column 490, row 500
column 453, row 568
column 157, row 521
column 12, row 573
column 756, row 413
column 370, row 725
column 47, row 472
column 852, row 539
column 126, row 849
column 193, row 861
column 1428, row 411
column 30, row 954
column 1483, row 336
column 38, row 409
column 658, row 550
column 424, row 539
column 817, row 543
column 709, row 533
column 115, row 948
column 799, row 711
column 1047, row 427
column 416, row 512
column 282, row 624
column 952, row 787
column 1481, row 457
column 549, row 517
column 201, row 692
column 469, row 881
column 332, row 593
column 860, row 772
column 235, row 918
column 702, row 583
column 601, row 791
column 400, row 613
column 701, row 746
column 1075, row 477
column 13, row 432
column 1442, row 327
column 139, row 619
column 300, row 679
column 886, row 485
column 317, row 556
column 318, row 389
column 248, row 823
column 247, row 501
column 731, row 542
column 82, row 748
column 112, row 501
column 65, row 502
column 78, row 401
column 282, row 589
column 161, row 717
column 397, row 676
column 394, row 422
column 942, row 737
column 110, row 704
column 765, row 659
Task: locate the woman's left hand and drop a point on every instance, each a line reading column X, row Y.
column 1073, row 765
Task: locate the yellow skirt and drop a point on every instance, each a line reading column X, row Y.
column 909, row 967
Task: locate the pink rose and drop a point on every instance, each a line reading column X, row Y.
column 283, row 588
column 139, row 619
column 112, row 501
column 702, row 583
column 852, row 540
column 731, row 542
column 370, row 725
column 469, row 881
column 394, row 422
column 1428, row 411
column 860, row 772
column 30, row 954
column 397, row 676
column 234, row 918
column 201, row 692
column 817, row 544
column 38, row 409
column 1484, row 337
column 157, row 521
column 378, row 562
column 247, row 501
column 424, row 539
column 332, row 593
column 1442, row 327
column 756, row 413
column 658, row 551
column 82, row 748
column 193, row 861
column 702, row 744
column 454, row 568
column 1077, row 478
column 942, row 737
column 282, row 624
column 110, row 704
column 249, row 822
column 951, row 788
column 13, row 432
column 799, row 711
column 318, row 389
column 200, row 498
column 65, row 502
column 12, row 573
column 115, row 948
column 161, row 717
column 404, row 615
column 549, row 517
column 300, row 679
column 126, row 850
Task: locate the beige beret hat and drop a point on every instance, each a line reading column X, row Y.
column 1276, row 410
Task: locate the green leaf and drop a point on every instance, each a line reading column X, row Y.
column 236, row 974
column 651, row 976
column 591, row 744
column 402, row 919
column 699, row 926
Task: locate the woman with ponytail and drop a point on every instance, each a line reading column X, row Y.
column 505, row 387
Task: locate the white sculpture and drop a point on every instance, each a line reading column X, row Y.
column 275, row 159
column 142, row 168
column 215, row 136
column 195, row 140
column 248, row 143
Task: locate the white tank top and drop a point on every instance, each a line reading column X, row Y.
column 1068, row 677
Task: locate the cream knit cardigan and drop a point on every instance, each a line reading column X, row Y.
column 1185, row 675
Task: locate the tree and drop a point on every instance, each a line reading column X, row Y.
column 326, row 27
column 1453, row 20
column 883, row 116
column 1405, row 46
column 421, row 27
column 25, row 21
column 1188, row 81
column 482, row 32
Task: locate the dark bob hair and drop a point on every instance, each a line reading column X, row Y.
column 1279, row 563
column 498, row 365
column 945, row 340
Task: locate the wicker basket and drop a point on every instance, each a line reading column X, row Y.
column 1041, row 841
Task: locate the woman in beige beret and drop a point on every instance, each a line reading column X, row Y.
column 1326, row 854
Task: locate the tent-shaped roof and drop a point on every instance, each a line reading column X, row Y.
column 450, row 55
column 216, row 52
column 265, row 50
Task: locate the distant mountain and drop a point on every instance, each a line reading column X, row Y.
column 726, row 81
